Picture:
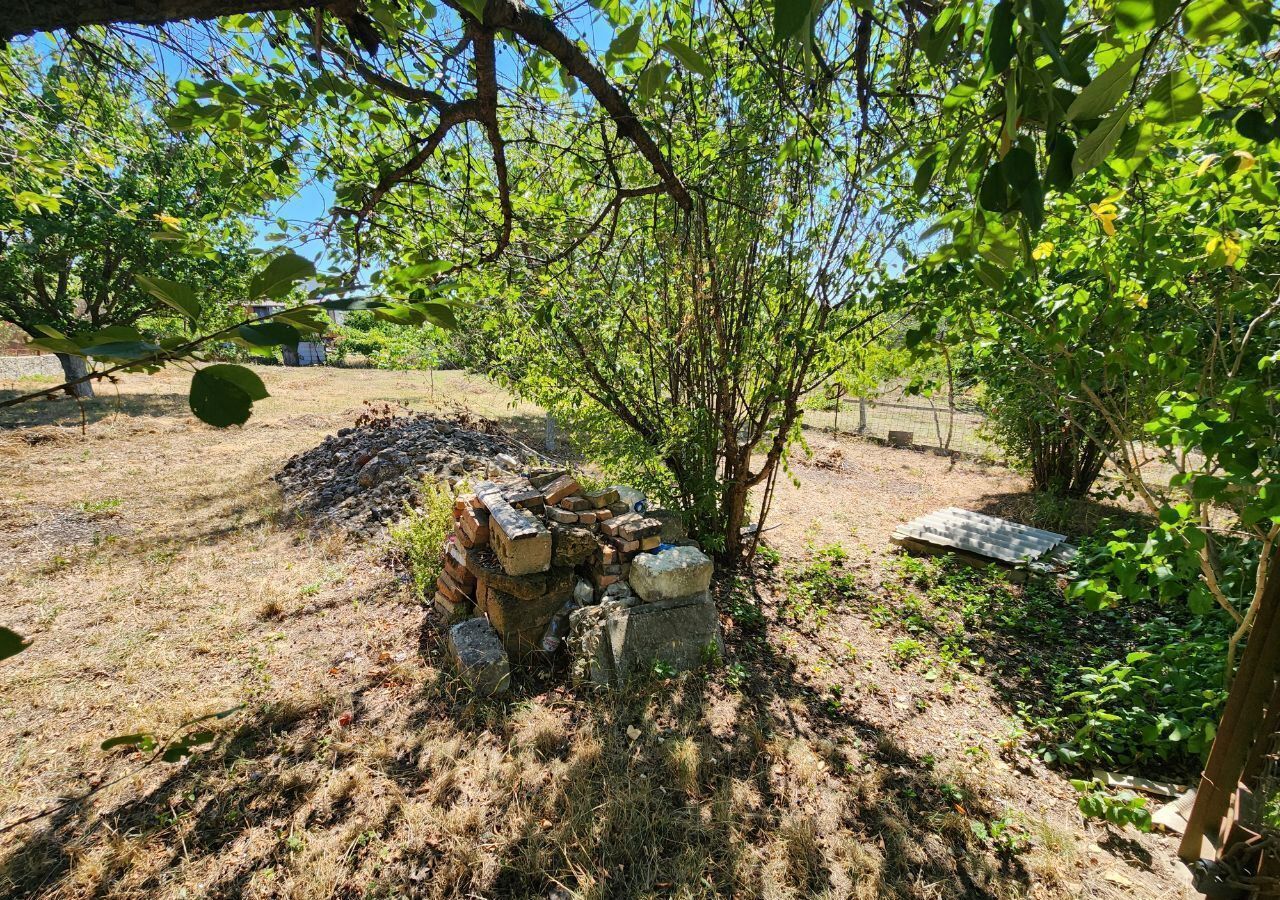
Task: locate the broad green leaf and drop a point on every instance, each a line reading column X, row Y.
column 11, row 643
column 1020, row 173
column 687, row 55
column 223, row 394
column 1101, row 94
column 440, row 315
column 1175, row 98
column 280, row 275
column 1138, row 16
column 625, row 42
column 924, row 174
column 1207, row 21
column 789, row 16
column 475, row 7
column 1058, row 174
column 122, row 351
column 269, row 334
column 1098, row 144
column 997, row 45
column 652, row 80
column 178, row 296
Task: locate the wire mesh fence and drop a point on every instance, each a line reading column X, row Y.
column 914, row 421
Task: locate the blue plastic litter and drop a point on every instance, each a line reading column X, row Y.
column 640, row 506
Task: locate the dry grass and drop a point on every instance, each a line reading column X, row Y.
column 152, row 566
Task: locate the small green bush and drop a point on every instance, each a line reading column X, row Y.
column 420, row 535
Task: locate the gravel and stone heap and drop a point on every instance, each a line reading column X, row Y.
column 537, row 559
column 361, row 478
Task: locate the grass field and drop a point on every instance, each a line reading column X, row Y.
column 151, row 563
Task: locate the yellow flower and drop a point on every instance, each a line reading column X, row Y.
column 1042, row 250
column 168, row 220
column 1138, row 299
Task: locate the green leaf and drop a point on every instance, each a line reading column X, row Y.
column 924, row 174
column 280, row 275
column 178, row 296
column 1207, row 21
column 1098, row 144
column 1058, row 174
column 11, row 643
column 687, row 55
column 122, row 351
column 223, row 394
column 993, row 193
column 1175, row 98
column 269, row 334
column 652, row 80
column 1072, row 72
column 1021, row 175
column 475, row 7
column 789, row 16
column 440, row 315
column 625, row 42
column 1253, row 125
column 1101, row 94
column 997, row 44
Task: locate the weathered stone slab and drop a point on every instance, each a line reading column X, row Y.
column 615, row 643
column 672, row 525
column 571, row 546
column 478, row 657
column 670, row 574
column 520, row 623
column 487, row 568
column 602, row 499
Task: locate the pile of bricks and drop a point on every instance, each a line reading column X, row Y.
column 525, row 548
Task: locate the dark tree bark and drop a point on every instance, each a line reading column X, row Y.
column 74, row 367
column 29, row 17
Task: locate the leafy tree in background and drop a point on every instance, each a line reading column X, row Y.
column 111, row 195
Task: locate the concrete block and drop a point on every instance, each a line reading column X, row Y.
column 478, row 657
column 670, row 574
column 615, row 642
column 520, row 623
column 571, row 546
column 520, row 541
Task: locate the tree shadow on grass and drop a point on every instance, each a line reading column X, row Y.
column 683, row 787
column 65, row 412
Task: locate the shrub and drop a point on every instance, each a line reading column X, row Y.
column 420, row 535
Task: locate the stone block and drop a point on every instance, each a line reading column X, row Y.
column 615, row 642
column 540, row 478
column 520, row 623
column 602, row 499
column 575, row 504
column 487, row 568
column 650, row 543
column 563, row 516
column 672, row 525
column 521, row 542
column 670, row 574
column 571, row 546
column 478, row 657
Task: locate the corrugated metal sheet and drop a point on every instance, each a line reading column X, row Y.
column 982, row 536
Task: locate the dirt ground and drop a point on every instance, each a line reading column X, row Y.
column 150, row 563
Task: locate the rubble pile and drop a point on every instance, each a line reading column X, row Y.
column 539, row 558
column 361, row 478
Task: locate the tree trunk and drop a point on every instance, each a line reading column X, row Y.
column 74, row 367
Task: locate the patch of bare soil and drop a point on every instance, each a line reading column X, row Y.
column 357, row 769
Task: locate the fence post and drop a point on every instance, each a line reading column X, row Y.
column 549, row 441
column 862, row 415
